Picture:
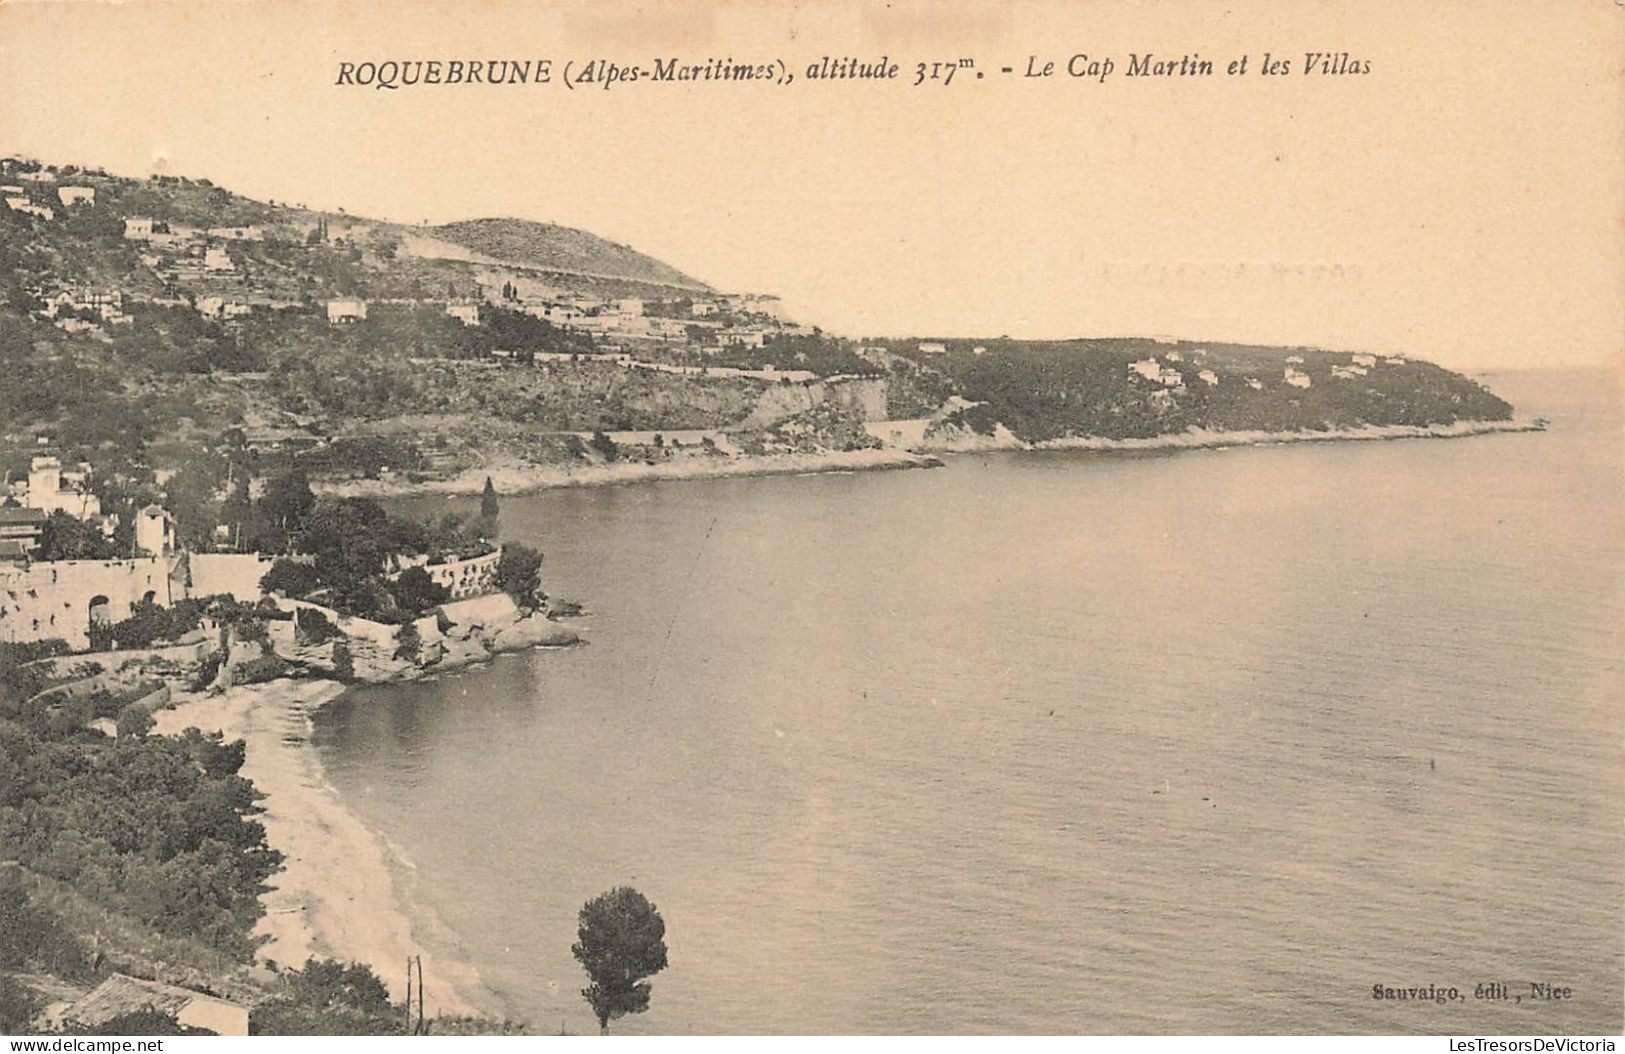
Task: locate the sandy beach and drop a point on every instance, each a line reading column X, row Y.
column 335, row 896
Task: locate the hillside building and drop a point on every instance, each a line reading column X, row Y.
column 120, row 995
column 467, row 314
column 346, row 309
column 1150, row 368
column 743, row 338
column 108, row 303
column 211, row 306
column 154, row 532
column 71, row 196
column 24, row 205
column 19, row 532
column 49, row 492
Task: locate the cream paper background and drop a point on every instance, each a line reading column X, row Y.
column 1464, row 201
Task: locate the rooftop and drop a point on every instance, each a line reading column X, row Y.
column 120, row 994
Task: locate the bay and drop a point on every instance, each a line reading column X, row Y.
column 1208, row 741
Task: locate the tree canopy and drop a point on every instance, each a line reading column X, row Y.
column 62, row 537
column 519, row 574
column 621, row 941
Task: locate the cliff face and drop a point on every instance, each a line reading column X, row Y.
column 863, row 396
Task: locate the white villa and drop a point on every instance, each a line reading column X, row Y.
column 49, row 492
column 1150, row 368
column 346, row 309
column 21, row 204
column 467, row 314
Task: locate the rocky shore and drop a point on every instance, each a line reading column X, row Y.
column 518, row 478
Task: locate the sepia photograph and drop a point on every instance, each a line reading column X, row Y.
column 1002, row 518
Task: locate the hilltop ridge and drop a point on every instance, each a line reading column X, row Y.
column 563, row 250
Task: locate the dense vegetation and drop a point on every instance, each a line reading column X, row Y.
column 152, row 843
column 328, row 998
column 1046, row 390
column 159, row 828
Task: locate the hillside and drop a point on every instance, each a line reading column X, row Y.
column 144, row 323
column 565, row 250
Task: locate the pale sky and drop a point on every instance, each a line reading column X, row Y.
column 1464, row 201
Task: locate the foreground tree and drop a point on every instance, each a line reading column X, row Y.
column 621, row 941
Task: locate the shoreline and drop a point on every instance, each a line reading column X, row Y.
column 1198, row 439
column 337, row 895
column 523, row 479
column 513, row 478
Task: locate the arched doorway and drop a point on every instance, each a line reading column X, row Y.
column 101, row 611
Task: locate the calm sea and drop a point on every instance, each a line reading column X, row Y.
column 1200, row 742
